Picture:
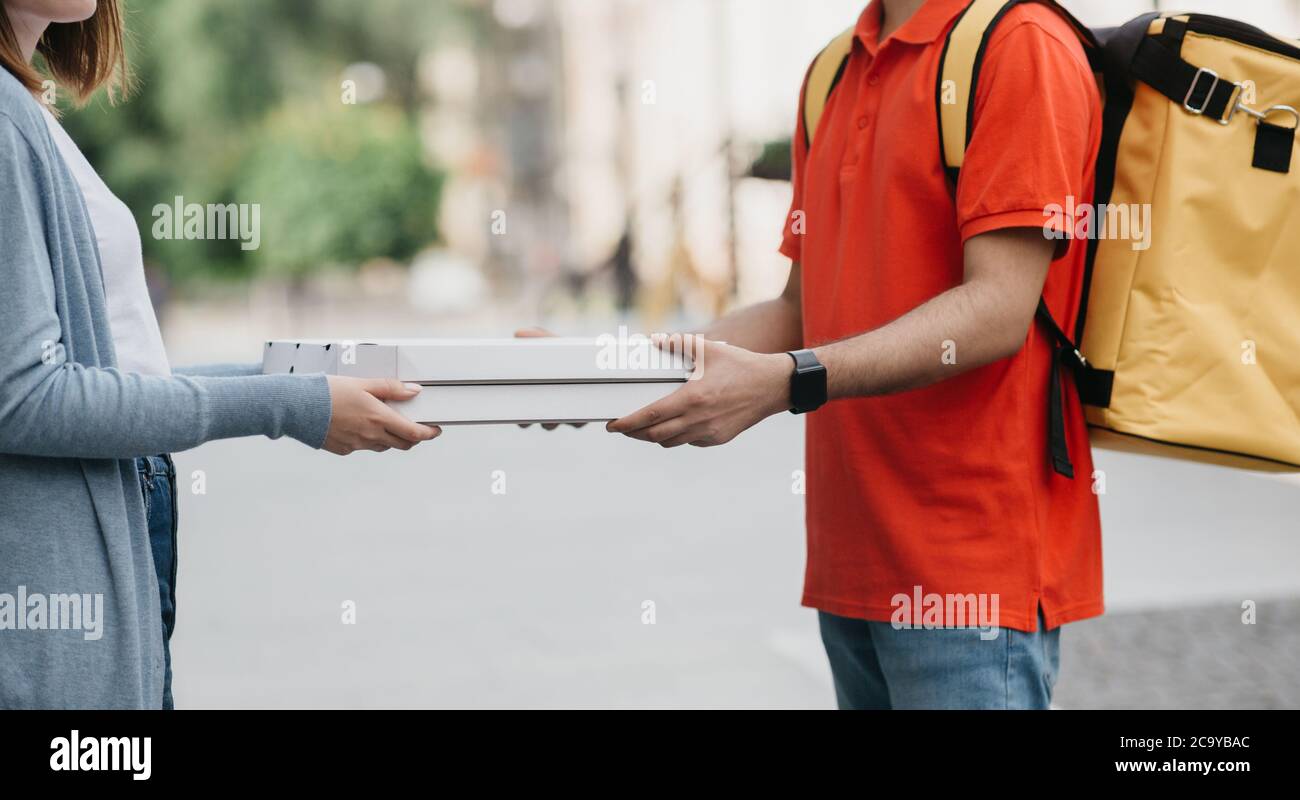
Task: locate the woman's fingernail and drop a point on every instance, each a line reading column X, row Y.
column 413, row 387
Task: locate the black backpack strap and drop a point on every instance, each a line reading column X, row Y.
column 1094, row 387
column 1199, row 90
column 1058, row 448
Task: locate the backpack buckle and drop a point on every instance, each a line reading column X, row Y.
column 1235, row 104
column 1196, row 81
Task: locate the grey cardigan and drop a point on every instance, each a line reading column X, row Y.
column 72, row 519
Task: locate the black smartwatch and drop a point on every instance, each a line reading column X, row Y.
column 808, row 383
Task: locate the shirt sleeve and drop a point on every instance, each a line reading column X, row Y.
column 53, row 406
column 232, row 370
column 1032, row 143
column 796, row 219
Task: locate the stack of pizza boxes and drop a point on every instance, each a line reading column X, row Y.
column 485, row 381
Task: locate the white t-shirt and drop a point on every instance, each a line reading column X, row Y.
column 131, row 317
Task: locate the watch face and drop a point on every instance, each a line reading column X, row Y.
column 808, row 389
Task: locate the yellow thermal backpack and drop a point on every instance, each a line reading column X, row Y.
column 1190, row 337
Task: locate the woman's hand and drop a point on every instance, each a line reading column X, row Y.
column 361, row 421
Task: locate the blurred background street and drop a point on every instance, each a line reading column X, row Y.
column 466, row 167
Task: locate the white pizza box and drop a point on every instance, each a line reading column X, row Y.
column 543, row 360
column 488, row 403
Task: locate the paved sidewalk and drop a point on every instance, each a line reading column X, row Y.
column 1201, row 658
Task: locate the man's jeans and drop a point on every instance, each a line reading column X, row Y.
column 876, row 666
column 158, row 483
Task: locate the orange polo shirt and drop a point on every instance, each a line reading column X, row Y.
column 945, row 490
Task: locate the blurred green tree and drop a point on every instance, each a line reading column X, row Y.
column 347, row 187
column 241, row 101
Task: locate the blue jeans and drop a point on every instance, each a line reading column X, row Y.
column 158, row 484
column 876, row 666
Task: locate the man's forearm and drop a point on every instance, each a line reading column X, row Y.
column 959, row 330
column 773, row 326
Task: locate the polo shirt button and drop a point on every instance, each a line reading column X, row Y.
column 873, row 80
column 862, row 123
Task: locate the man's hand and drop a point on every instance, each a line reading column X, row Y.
column 733, row 389
column 359, row 420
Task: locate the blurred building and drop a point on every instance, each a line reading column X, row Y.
column 668, row 102
column 614, row 136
